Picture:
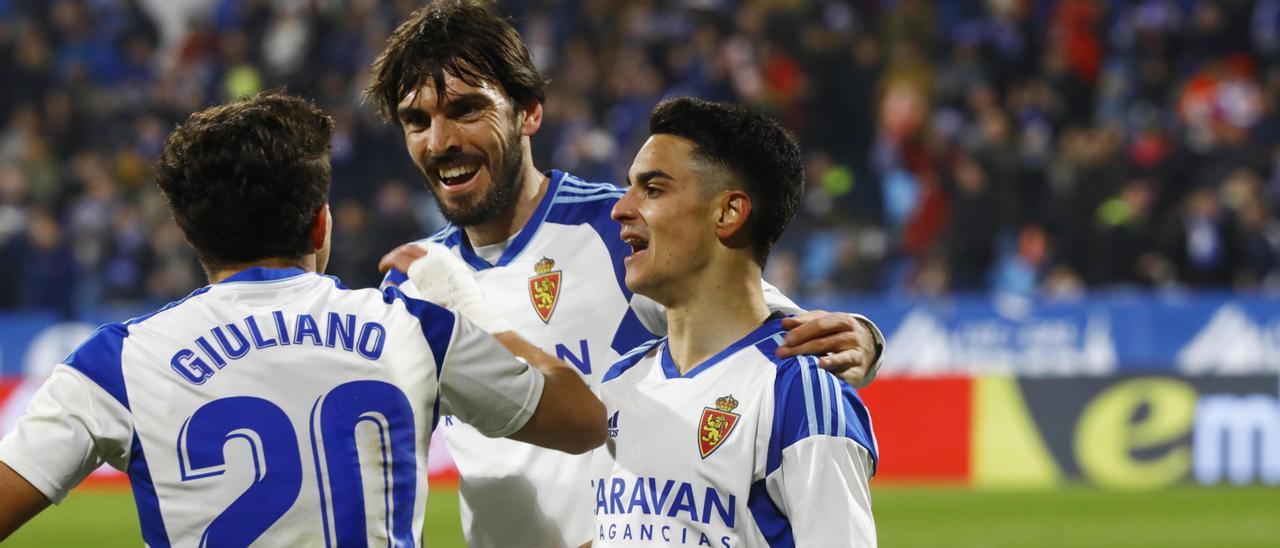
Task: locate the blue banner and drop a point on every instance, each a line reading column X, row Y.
column 1191, row 334
column 17, row 331
column 31, row 343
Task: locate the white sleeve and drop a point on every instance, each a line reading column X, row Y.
column 71, row 427
column 777, row 302
column 409, row 289
column 397, row 279
column 878, row 338
column 651, row 313
column 822, row 488
column 484, row 385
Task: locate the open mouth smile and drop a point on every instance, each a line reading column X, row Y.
column 457, row 175
column 639, row 245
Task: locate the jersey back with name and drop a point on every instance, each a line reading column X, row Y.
column 559, row 283
column 693, row 459
column 275, row 408
column 282, row 378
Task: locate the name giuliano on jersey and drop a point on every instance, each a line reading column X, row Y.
column 275, row 407
column 559, row 282
column 746, row 449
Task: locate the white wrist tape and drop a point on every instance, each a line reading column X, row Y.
column 442, row 278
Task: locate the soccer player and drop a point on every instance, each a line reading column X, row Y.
column 460, row 84
column 714, row 439
column 274, row 405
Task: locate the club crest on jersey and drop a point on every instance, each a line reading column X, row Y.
column 544, row 288
column 717, row 424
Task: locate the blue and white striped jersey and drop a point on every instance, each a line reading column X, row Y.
column 274, row 407
column 746, row 449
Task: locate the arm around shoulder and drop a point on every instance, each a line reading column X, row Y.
column 852, row 345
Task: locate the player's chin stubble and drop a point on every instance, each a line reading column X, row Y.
column 498, row 198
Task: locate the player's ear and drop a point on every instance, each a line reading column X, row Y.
column 731, row 215
column 320, row 228
column 532, row 119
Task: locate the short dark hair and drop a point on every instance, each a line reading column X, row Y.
column 760, row 157
column 463, row 38
column 245, row 180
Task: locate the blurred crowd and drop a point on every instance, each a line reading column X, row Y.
column 1020, row 146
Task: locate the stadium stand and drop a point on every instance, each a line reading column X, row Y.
column 1033, row 147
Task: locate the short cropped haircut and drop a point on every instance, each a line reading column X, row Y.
column 458, row 37
column 245, row 180
column 759, row 156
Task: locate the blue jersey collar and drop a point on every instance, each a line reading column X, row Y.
column 523, row 237
column 767, row 330
column 263, row 274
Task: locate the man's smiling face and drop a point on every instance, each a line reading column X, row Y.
column 467, row 143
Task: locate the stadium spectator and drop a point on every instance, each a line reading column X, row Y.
column 1061, row 104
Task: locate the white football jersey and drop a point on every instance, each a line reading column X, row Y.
column 560, row 285
column 746, row 449
column 560, row 282
column 275, row 407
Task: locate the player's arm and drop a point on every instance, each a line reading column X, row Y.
column 569, row 417
column 825, row 483
column 70, row 428
column 504, row 386
column 824, row 461
column 850, row 345
column 19, row 501
column 478, row 378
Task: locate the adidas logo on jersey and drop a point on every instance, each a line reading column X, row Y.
column 613, row 425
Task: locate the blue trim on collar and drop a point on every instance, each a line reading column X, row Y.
column 469, row 255
column 263, row 274
column 757, row 335
column 394, row 277
column 447, row 235
column 451, row 239
column 526, row 233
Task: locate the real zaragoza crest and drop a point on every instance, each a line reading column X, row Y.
column 717, row 424
column 544, row 288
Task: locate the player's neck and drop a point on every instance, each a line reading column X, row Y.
column 533, row 185
column 718, row 310
column 222, row 272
